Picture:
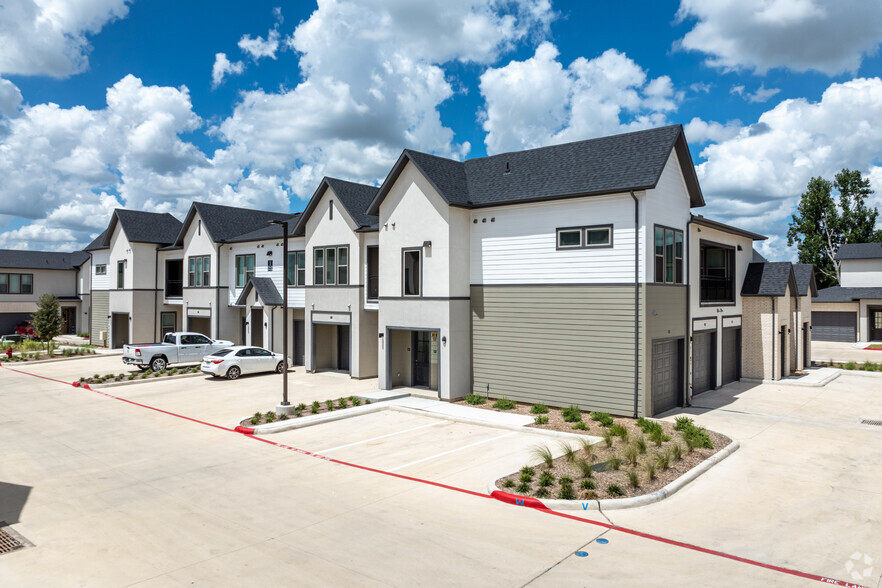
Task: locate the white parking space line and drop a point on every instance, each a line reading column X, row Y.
column 382, row 436
column 401, row 467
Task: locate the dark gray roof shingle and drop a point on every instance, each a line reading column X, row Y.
column 146, row 227
column 266, row 291
column 859, row 251
column 804, row 273
column 50, row 260
column 97, row 243
column 225, row 223
column 356, row 198
column 757, row 257
column 269, row 231
column 840, row 294
column 768, row 279
column 607, row 165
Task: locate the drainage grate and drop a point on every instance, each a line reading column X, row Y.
column 10, row 540
column 875, row 423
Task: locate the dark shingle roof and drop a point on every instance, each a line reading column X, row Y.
column 269, row 231
column 768, row 279
column 758, row 257
column 224, row 223
column 859, row 251
column 266, row 291
column 145, row 227
column 50, row 260
column 840, row 294
column 97, row 243
column 607, row 165
column 804, row 274
column 355, row 198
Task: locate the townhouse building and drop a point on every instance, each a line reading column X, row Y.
column 852, row 311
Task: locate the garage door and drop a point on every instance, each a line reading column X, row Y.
column 665, row 376
column 731, row 367
column 703, row 361
column 834, row 326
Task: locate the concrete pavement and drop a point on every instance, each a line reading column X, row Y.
column 121, row 495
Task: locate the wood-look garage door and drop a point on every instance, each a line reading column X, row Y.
column 834, row 326
column 731, row 367
column 665, row 376
column 703, row 361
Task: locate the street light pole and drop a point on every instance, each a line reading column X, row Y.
column 284, row 225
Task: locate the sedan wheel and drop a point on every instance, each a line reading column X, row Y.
column 233, row 372
column 280, row 367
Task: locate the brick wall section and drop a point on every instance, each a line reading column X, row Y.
column 756, row 346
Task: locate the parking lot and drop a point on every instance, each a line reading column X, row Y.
column 115, row 494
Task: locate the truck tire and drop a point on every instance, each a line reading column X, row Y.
column 142, row 367
column 157, row 364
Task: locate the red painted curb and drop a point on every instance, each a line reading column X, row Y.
column 75, row 384
column 86, row 387
column 517, row 500
column 244, row 430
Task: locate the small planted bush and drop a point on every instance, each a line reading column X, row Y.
column 526, row 477
column 528, row 470
column 543, row 453
column 631, row 454
column 508, row 483
column 270, row 416
column 615, row 490
column 676, row 452
column 650, row 470
column 566, row 492
column 342, row 403
column 587, row 484
column 356, row 401
column 541, row 420
column 255, row 420
column 542, row 492
column 569, row 454
column 315, row 407
column 546, row 479
column 580, row 426
column 284, row 417
column 663, row 461
column 523, row 488
column 504, row 404
column 604, row 418
column 584, row 468
column 696, row 437
column 633, row 479
column 475, row 399
column 657, row 435
column 615, row 463
column 329, row 405
column 619, row 431
column 571, row 414
column 608, row 438
column 539, row 408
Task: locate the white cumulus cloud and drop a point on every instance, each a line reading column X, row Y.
column 259, row 47
column 539, row 102
column 830, row 36
column 223, row 67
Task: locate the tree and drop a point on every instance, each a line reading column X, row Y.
column 47, row 319
column 820, row 226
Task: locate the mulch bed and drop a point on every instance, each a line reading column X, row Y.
column 603, row 475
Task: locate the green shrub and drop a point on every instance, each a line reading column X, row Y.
column 523, row 488
column 367, row 400
column 663, row 461
column 541, row 493
column 525, row 477
column 270, row 416
column 315, row 407
column 284, row 417
column 254, row 420
column 619, row 431
column 509, row 483
column 572, row 414
column 342, row 403
column 657, row 435
column 631, row 454
column 650, row 470
column 504, row 404
column 543, row 453
column 541, row 420
column 850, row 365
column 587, row 484
column 695, row 436
column 615, row 463
column 566, row 492
column 683, row 423
column 539, row 408
column 301, row 407
column 591, row 495
column 329, row 405
column 607, row 438
column 569, row 454
column 633, row 479
column 676, row 452
column 475, row 399
column 585, row 468
column 604, row 418
column 615, row 490
column 546, row 479
column 565, row 480
column 528, row 470
column 580, row 426
column 132, row 377
column 356, row 401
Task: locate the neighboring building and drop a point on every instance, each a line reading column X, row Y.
column 27, row 275
column 852, row 311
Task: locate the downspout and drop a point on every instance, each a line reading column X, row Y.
column 91, row 289
column 687, row 343
column 217, row 294
column 155, row 292
column 774, row 336
column 797, row 322
column 636, row 302
column 272, row 336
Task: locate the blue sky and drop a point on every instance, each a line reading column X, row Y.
column 149, row 105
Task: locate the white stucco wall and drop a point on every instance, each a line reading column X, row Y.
column 861, row 273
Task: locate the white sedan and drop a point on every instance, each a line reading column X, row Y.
column 232, row 362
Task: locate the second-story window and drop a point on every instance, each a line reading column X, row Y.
column 101, row 270
column 297, row 268
column 411, row 272
column 331, row 266
column 16, row 283
column 244, row 269
column 121, row 274
column 717, row 268
column 373, row 272
column 668, row 256
column 199, row 271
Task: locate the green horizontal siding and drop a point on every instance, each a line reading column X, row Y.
column 559, row 345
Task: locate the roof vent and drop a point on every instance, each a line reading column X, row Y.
column 507, row 168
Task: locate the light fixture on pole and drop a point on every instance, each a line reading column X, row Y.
column 284, row 408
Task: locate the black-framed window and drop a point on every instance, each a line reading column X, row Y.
column 16, row 283
column 331, row 266
column 717, row 268
column 244, row 269
column 411, row 272
column 101, row 270
column 373, row 272
column 121, row 274
column 668, row 255
column 174, row 278
column 297, row 268
column 199, row 270
column 587, row 237
column 168, row 322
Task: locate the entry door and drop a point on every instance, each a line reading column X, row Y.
column 704, row 360
column 876, row 324
column 731, row 354
column 257, row 327
column 343, row 347
column 806, row 356
column 422, row 358
column 68, row 321
column 783, row 351
column 298, row 342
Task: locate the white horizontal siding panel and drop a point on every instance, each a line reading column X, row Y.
column 666, row 205
column 518, row 244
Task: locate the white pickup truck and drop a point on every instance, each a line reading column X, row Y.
column 175, row 348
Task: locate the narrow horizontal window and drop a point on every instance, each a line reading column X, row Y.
column 569, row 238
column 597, row 237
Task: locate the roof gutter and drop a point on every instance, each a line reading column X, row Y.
column 636, row 302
